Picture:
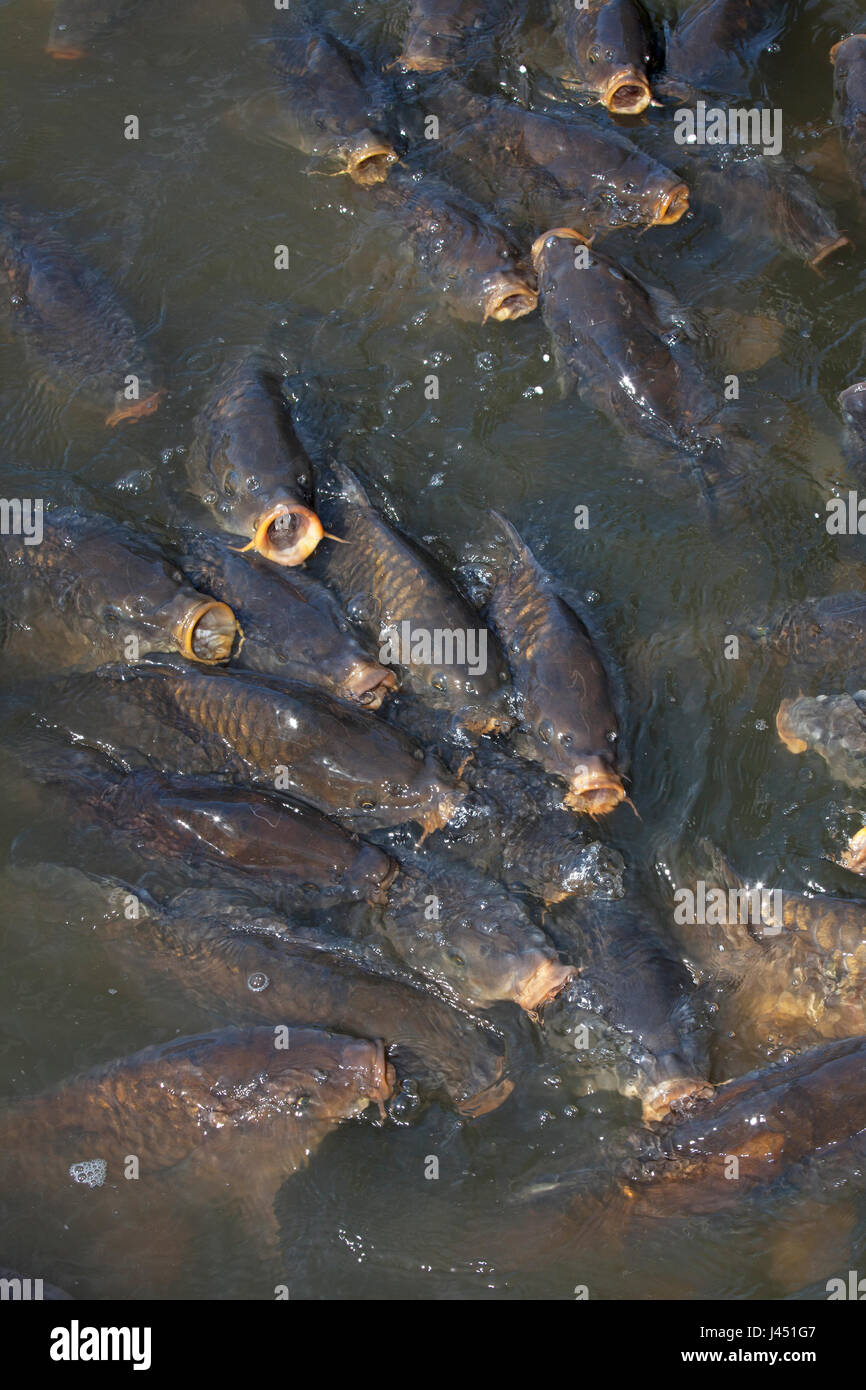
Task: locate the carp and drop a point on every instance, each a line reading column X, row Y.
column 715, row 45
column 91, row 588
column 567, row 723
column 385, row 583
column 248, row 467
column 292, row 624
column 833, row 726
column 72, row 322
column 465, row 253
column 609, row 44
column 849, row 86
column 438, row 32
column 769, row 199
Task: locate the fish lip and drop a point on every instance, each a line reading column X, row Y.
column 186, row 628
column 368, row 685
column 785, row 732
column 420, row 62
column 70, row 54
column 368, row 163
column 544, row 984
column 627, row 80
column 673, row 1097
column 489, row 1098
column 832, row 246
column 854, row 856
column 384, row 1078
column 481, row 722
column 135, row 410
column 310, row 532
column 847, row 39
column 673, row 203
column 511, row 299
column 538, row 244
column 595, row 790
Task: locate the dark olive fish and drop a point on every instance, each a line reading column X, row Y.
column 566, row 167
column 631, row 981
column 228, row 831
column 220, row 1117
column 832, row 725
column 248, row 466
column 466, row 934
column 72, row 322
column 438, row 31
column 824, row 638
column 849, row 87
column 292, row 624
column 465, row 253
column 567, row 719
column 287, row 736
column 609, row 43
column 770, row 199
column 93, row 586
column 78, row 23
column 715, row 45
column 252, row 967
column 611, row 337
column 385, row 582
column 323, row 108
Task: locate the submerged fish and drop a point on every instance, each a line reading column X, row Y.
column 567, row 718
column 292, row 624
column 288, row 736
column 220, row 1118
column 465, row 253
column 77, row 23
column 93, row 590
column 832, row 725
column 385, row 583
column 71, row 320
column 248, row 466
column 715, row 45
column 323, row 109
column 769, row 199
column 565, row 167
column 609, row 43
column 438, row 31
column 254, row 968
column 824, row 637
column 849, row 86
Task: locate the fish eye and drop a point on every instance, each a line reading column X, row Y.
column 366, row 801
column 231, row 483
column 594, row 54
column 439, row 682
column 253, row 483
column 456, row 958
column 611, row 736
column 566, row 740
column 545, row 731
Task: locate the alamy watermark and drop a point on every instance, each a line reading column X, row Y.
column 22, row 516
column 718, row 125
column 405, row 645
column 718, row 907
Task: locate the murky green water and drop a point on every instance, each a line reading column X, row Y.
column 184, row 221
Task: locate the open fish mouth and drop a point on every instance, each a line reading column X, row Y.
column 369, row 162
column 510, row 300
column 369, row 685
column 627, row 93
column 287, row 534
column 568, row 233
column 673, row 1097
column 595, row 790
column 544, row 984
column 791, row 740
column 671, row 206
column 207, row 632
column 131, row 411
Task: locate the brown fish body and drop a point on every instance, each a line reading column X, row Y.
column 824, row 638
column 438, row 32
column 849, row 85
column 769, row 199
column 464, row 252
column 228, row 959
column 92, row 591
column 467, row 935
column 78, row 24
column 292, row 624
column 72, row 322
column 568, row 722
column 248, row 466
column 324, row 110
column 833, row 726
column 609, row 335
column 569, row 169
column 227, row 1103
column 287, row 736
column 384, row 582
column 609, row 44
column 716, row 44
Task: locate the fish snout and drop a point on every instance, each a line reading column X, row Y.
column 672, row 204
column 785, row 729
column 130, row 411
column 509, row 298
column 286, row 534
column 207, row 632
column 368, row 685
column 540, row 242
column 595, row 789
column 544, row 982
column 673, row 1091
column 369, row 162
column 627, row 93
